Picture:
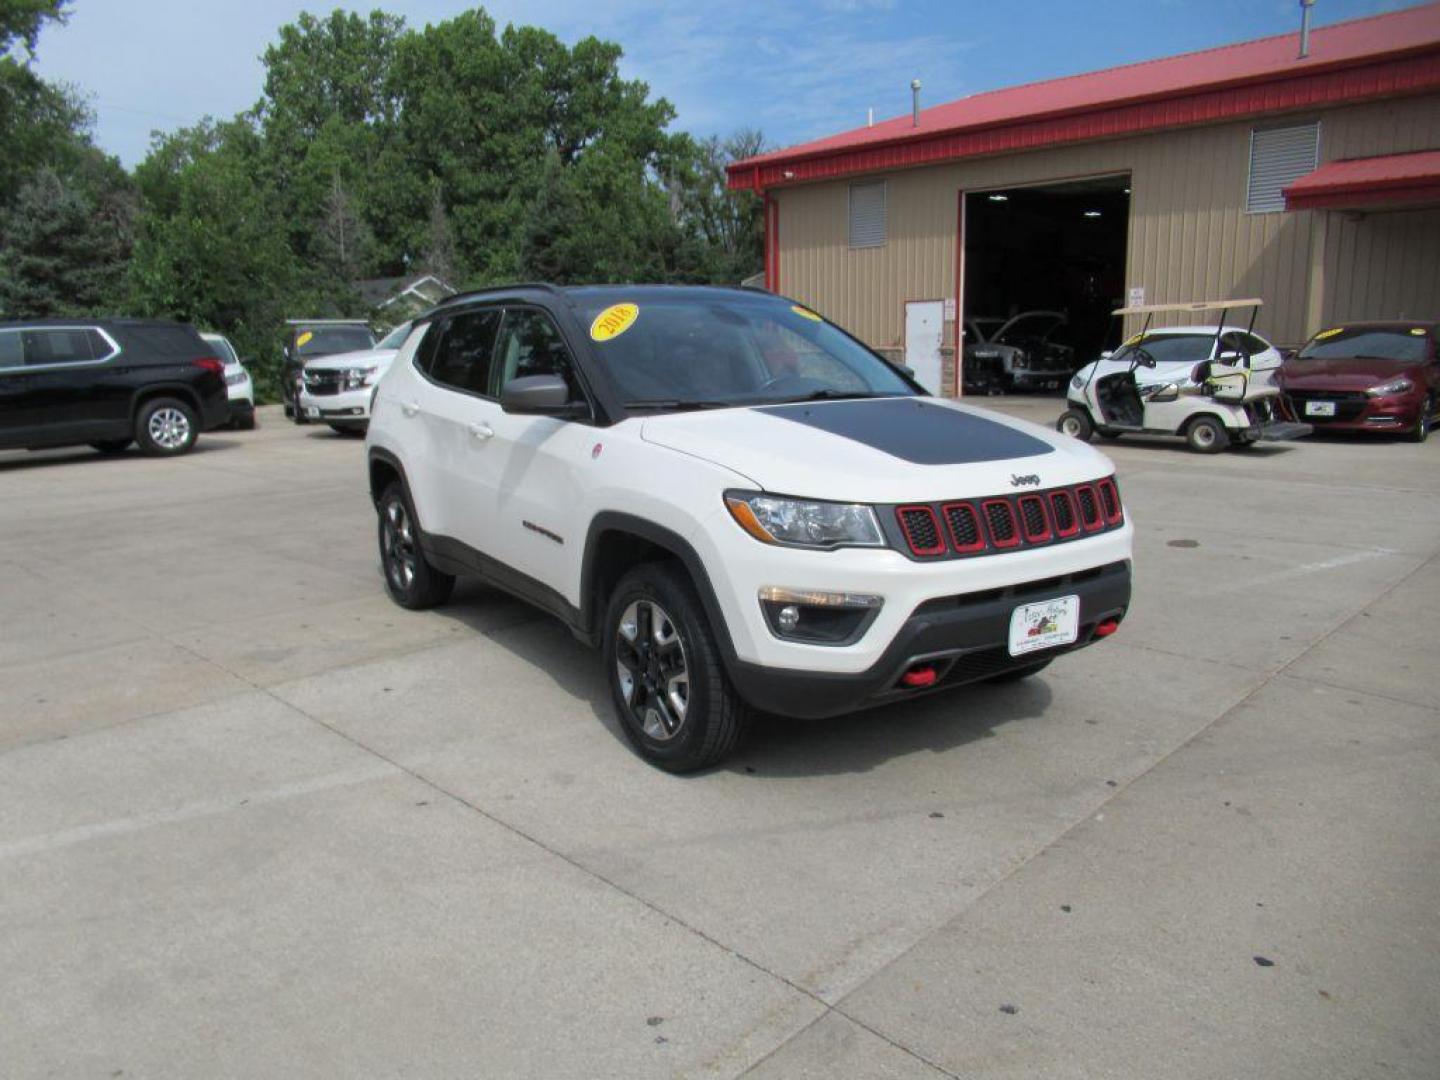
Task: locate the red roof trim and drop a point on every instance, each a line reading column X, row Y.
column 1393, row 54
column 1393, row 179
column 1389, row 78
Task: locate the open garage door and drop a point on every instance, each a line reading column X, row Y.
column 1055, row 250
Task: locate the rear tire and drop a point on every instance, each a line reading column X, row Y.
column 1206, row 435
column 113, row 446
column 409, row 579
column 674, row 700
column 166, row 427
column 1076, row 423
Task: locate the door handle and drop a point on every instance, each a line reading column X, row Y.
column 410, row 408
column 482, row 431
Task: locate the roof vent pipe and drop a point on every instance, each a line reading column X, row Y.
column 1305, row 6
column 870, row 117
column 915, row 100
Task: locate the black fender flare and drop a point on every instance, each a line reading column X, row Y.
column 592, row 607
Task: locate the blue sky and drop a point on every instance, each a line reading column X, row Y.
column 796, row 70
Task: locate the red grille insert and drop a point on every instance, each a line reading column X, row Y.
column 1089, row 508
column 921, row 529
column 1110, row 501
column 1067, row 518
column 964, row 525
column 1000, row 520
column 1034, row 520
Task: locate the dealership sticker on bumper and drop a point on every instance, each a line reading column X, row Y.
column 1319, row 408
column 1044, row 625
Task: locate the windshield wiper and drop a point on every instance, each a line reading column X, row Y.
column 830, row 395
column 677, row 404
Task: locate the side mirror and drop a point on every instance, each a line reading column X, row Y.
column 1168, row 392
column 1146, row 361
column 539, row 395
column 907, row 369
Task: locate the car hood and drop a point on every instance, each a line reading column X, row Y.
column 1344, row 373
column 358, row 358
column 880, row 450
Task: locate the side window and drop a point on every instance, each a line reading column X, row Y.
column 530, row 345
column 68, row 346
column 1253, row 345
column 462, row 350
column 12, row 351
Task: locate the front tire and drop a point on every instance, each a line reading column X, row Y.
column 1206, row 435
column 409, row 579
column 1421, row 431
column 166, row 427
column 669, row 687
column 1076, row 423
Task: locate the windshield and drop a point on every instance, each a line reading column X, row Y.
column 222, row 348
column 981, row 329
column 324, row 340
column 1168, row 349
column 1402, row 345
column 691, row 351
column 395, row 338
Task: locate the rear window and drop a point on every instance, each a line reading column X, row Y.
column 325, row 340
column 1405, row 345
column 180, row 341
column 221, row 348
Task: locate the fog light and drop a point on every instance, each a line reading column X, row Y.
column 818, row 618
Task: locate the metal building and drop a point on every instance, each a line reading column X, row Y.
column 1311, row 181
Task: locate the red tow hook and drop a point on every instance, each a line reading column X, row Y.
column 920, row 675
column 1107, row 627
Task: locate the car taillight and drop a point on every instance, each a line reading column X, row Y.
column 211, row 364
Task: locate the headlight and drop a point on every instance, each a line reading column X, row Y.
column 775, row 519
column 1020, row 361
column 1078, row 382
column 355, row 378
column 1394, row 386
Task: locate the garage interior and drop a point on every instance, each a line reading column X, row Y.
column 1052, row 247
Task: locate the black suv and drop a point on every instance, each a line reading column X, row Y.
column 108, row 382
column 307, row 339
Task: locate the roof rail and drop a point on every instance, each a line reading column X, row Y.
column 489, row 289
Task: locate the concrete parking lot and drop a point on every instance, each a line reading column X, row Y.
column 256, row 820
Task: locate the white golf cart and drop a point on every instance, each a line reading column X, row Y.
column 1227, row 399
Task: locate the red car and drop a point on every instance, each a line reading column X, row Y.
column 1374, row 376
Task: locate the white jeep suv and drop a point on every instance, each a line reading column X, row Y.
column 740, row 504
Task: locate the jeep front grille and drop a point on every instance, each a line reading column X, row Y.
column 967, row 527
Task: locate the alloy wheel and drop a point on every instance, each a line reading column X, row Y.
column 651, row 667
column 169, row 428
column 397, row 543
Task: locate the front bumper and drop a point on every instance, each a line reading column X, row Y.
column 346, row 407
column 1357, row 412
column 964, row 637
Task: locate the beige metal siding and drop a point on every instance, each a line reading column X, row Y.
column 1189, row 235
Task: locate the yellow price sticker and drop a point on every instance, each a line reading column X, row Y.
column 805, row 313
column 1329, row 333
column 303, row 339
column 614, row 321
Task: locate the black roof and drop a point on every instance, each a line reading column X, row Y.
column 88, row 320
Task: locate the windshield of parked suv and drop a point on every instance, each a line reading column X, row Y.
column 1034, row 324
column 324, row 340
column 1168, row 349
column 1402, row 345
column 699, row 352
column 395, row 338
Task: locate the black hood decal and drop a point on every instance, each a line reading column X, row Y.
column 915, row 430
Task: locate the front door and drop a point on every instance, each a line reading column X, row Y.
column 924, row 330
